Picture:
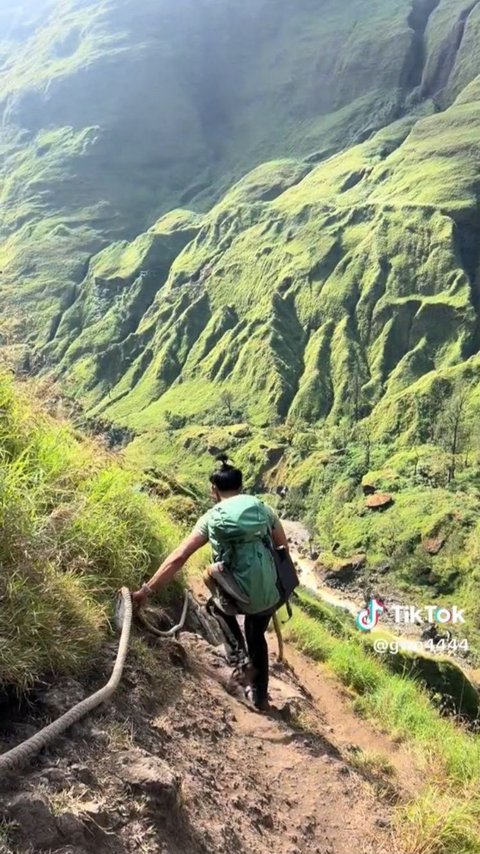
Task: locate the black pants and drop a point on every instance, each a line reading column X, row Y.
column 256, row 647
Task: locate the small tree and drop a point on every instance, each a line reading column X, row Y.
column 227, row 400
column 364, row 437
column 344, row 431
column 416, row 461
column 454, row 427
column 305, row 443
column 428, row 409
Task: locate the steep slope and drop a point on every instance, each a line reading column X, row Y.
column 174, row 764
column 364, row 270
column 75, row 526
column 115, row 112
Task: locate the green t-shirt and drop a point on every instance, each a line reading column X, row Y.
column 235, row 529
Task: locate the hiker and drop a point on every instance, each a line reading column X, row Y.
column 243, row 578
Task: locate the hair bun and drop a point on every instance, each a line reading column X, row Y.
column 227, row 478
column 223, row 459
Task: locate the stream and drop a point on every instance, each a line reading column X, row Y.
column 299, row 536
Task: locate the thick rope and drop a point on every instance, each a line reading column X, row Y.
column 20, row 755
column 171, row 632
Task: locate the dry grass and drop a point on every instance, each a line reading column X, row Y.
column 120, row 735
column 371, row 763
column 441, row 821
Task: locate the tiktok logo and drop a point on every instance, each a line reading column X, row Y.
column 367, row 619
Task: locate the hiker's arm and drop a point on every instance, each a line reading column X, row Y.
column 171, row 565
column 279, row 537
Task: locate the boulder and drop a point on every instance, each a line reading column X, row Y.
column 149, row 773
column 83, row 774
column 343, row 569
column 379, row 501
column 350, row 564
column 56, row 777
column 214, row 451
column 243, row 431
column 72, row 829
column 432, row 545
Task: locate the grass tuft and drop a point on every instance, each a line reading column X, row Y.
column 75, row 527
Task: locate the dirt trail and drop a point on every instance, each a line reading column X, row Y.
column 178, row 766
column 346, row 730
column 292, row 772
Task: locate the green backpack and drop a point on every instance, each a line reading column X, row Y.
column 240, row 527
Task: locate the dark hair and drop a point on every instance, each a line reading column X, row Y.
column 227, row 478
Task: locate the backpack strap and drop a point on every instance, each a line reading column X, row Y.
column 285, row 599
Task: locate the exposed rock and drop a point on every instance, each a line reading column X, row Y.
column 99, row 735
column 379, row 501
column 72, row 849
column 150, row 773
column 241, row 432
column 96, row 813
column 34, row 821
column 72, row 828
column 346, row 567
column 214, row 451
column 433, row 545
column 383, row 568
column 63, row 696
column 83, row 775
column 55, row 775
column 274, row 455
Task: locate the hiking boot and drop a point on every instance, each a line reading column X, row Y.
column 259, row 704
column 234, row 685
column 236, row 658
column 242, row 673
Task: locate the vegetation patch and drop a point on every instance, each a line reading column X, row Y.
column 76, row 525
column 445, row 818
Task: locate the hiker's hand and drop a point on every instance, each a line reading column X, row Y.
column 139, row 598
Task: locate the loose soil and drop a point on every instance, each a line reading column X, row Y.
column 177, row 765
